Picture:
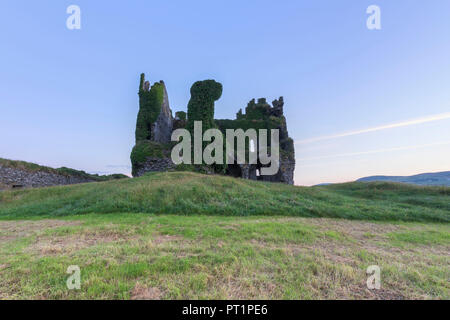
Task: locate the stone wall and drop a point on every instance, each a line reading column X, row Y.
column 20, row 178
column 285, row 173
column 154, row 165
column 161, row 130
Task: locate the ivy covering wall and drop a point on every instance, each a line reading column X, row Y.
column 145, row 149
column 150, row 103
column 181, row 115
column 201, row 105
column 258, row 115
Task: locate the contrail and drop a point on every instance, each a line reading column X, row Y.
column 436, row 117
column 377, row 151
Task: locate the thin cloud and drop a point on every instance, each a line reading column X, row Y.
column 118, row 166
column 406, row 123
column 377, row 151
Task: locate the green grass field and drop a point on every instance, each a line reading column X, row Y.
column 182, row 235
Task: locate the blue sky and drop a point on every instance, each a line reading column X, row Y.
column 69, row 97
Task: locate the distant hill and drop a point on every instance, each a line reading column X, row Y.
column 423, row 179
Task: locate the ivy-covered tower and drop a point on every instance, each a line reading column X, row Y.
column 154, row 125
column 201, row 105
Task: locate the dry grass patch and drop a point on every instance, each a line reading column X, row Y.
column 358, row 230
column 12, row 230
column 159, row 239
column 361, row 292
column 141, row 292
column 48, row 245
column 66, row 244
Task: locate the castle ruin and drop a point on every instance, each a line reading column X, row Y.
column 155, row 124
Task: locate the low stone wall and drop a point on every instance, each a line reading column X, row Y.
column 20, row 178
column 154, row 165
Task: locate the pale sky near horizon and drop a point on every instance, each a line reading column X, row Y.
column 358, row 102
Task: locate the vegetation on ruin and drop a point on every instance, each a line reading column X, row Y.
column 201, row 105
column 181, row 115
column 286, row 144
column 150, row 103
column 145, row 149
column 257, row 111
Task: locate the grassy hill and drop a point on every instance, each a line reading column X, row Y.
column 423, row 179
column 187, row 193
column 183, row 235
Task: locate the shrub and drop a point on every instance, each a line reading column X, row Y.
column 201, row 105
column 181, row 115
